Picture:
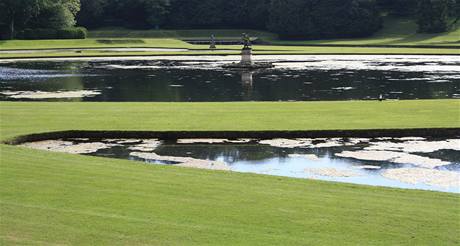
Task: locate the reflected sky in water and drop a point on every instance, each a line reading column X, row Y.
column 300, row 162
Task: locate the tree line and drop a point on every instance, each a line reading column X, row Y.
column 288, row 18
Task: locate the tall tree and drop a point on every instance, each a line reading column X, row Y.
column 398, row 7
column 93, row 12
column 17, row 13
column 56, row 14
column 433, row 15
column 323, row 18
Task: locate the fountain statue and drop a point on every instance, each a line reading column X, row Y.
column 246, row 57
column 212, row 46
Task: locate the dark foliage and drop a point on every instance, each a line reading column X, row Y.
column 324, row 19
column 434, row 16
column 47, row 33
column 313, row 19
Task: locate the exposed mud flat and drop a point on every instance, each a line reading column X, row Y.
column 147, row 145
column 68, row 147
column 312, row 142
column 287, row 143
column 426, row 176
column 417, row 146
column 331, row 172
column 183, row 161
column 395, row 157
column 50, row 95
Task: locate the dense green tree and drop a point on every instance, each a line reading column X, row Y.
column 92, row 13
column 218, row 14
column 127, row 13
column 56, row 14
column 398, row 7
column 16, row 13
column 323, row 18
column 435, row 16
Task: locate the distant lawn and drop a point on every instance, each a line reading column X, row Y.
column 92, row 43
column 232, row 34
column 396, row 32
column 193, row 49
column 51, row 198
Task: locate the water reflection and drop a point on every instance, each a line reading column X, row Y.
column 304, row 78
column 415, row 163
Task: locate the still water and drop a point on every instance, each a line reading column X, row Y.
column 412, row 163
column 201, row 78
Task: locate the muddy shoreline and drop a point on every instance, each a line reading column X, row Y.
column 175, row 135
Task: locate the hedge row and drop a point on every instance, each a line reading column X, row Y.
column 68, row 33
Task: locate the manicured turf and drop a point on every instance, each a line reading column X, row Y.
column 51, row 198
column 227, row 34
column 397, row 32
column 19, row 118
column 232, row 50
column 92, row 43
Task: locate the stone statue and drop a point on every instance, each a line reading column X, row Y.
column 246, row 41
column 213, row 42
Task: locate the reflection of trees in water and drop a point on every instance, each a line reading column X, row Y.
column 154, row 84
column 231, row 153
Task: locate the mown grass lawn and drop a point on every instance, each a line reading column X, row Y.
column 396, row 32
column 50, row 198
column 19, row 118
column 258, row 50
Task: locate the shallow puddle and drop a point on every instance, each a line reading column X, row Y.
column 201, row 78
column 416, row 163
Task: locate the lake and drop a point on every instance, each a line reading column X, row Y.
column 201, row 79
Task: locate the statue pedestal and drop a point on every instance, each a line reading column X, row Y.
column 246, row 62
column 246, row 56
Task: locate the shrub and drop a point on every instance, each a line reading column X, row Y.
column 72, row 33
column 45, row 33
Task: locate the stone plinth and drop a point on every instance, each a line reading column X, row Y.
column 246, row 56
column 247, row 63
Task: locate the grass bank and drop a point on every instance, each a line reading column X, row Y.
column 52, row 198
column 236, row 50
column 20, row 118
column 397, row 37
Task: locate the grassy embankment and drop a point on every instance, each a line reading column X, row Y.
column 396, row 33
column 50, row 198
